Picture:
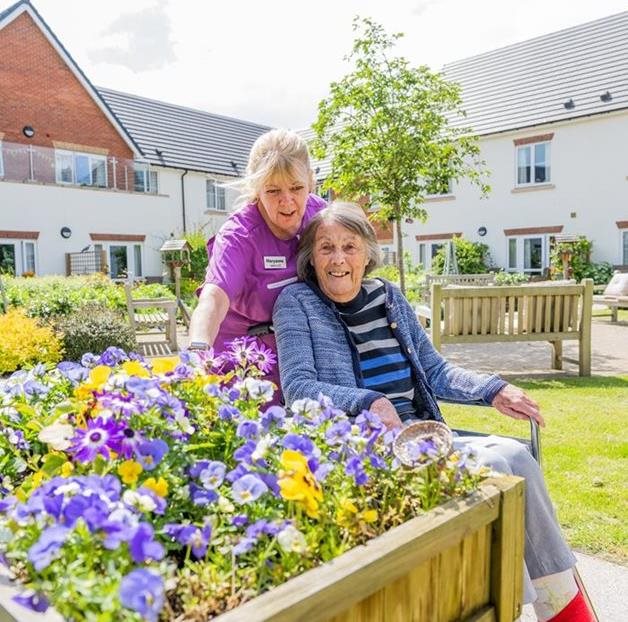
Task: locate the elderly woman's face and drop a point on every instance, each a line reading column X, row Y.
column 282, row 205
column 339, row 260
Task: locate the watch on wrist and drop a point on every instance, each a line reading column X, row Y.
column 198, row 345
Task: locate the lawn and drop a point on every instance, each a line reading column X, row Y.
column 605, row 314
column 584, row 450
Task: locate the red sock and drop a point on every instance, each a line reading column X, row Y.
column 576, row 611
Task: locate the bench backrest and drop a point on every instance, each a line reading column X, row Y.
column 460, row 279
column 516, row 313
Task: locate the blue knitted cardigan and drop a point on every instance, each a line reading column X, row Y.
column 317, row 355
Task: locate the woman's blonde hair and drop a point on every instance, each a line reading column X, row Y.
column 277, row 154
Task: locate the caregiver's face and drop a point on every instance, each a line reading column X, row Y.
column 339, row 259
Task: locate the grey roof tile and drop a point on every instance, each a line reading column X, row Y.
column 527, row 84
column 180, row 137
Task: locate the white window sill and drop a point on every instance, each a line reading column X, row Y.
column 437, row 198
column 216, row 212
column 533, row 188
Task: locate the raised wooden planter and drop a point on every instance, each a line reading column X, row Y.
column 462, row 561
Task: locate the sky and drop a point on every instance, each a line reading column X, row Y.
column 271, row 61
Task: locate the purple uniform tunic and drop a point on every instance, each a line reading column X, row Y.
column 251, row 265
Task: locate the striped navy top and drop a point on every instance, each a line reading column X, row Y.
column 383, row 363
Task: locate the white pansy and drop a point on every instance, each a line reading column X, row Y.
column 225, row 505
column 184, row 423
column 145, row 503
column 261, row 449
column 291, row 540
column 306, row 408
column 68, row 489
column 57, row 435
column 258, row 389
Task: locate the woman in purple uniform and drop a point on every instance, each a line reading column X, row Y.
column 254, row 254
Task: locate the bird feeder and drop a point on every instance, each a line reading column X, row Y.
column 176, row 254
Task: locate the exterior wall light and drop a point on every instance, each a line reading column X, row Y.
column 28, row 131
column 65, row 232
column 482, row 231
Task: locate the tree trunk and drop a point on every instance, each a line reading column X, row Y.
column 400, row 262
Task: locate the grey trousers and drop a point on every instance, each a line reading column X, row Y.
column 546, row 551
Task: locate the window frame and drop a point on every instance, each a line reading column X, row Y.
column 623, row 246
column 19, row 254
column 520, row 253
column 131, row 257
column 1, row 160
column 150, row 178
column 214, row 189
column 91, row 159
column 425, row 257
column 548, row 168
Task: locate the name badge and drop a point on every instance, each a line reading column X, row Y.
column 274, row 263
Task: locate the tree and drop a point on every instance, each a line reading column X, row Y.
column 386, row 129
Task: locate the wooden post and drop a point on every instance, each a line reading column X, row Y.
column 68, row 264
column 507, row 552
column 584, row 350
column 436, row 298
column 557, row 354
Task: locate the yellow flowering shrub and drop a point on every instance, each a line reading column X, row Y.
column 24, row 342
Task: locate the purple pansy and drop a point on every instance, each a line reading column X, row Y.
column 98, row 438
column 273, row 415
column 150, row 453
column 356, row 469
column 248, row 488
column 239, row 520
column 227, row 412
column 143, row 546
column 298, row 442
column 338, row 432
column 197, row 538
column 46, row 548
column 35, row 601
column 244, row 546
column 248, row 429
column 143, row 591
column 213, row 474
column 202, row 496
column 112, row 356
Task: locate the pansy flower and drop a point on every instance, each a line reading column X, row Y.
column 143, row 591
column 151, row 453
column 248, row 489
column 99, row 438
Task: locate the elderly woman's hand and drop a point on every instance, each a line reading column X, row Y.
column 386, row 411
column 513, row 402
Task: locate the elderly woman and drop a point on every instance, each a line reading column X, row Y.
column 358, row 341
column 254, row 254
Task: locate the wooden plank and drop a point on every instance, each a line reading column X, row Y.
column 501, row 324
column 570, row 336
column 549, row 303
column 486, row 315
column 486, row 614
column 558, row 310
column 566, row 313
column 447, row 313
column 323, row 592
column 507, row 555
column 511, row 315
column 467, row 304
column 538, row 316
column 475, row 316
column 584, row 350
column 436, row 309
column 494, row 323
column 575, row 306
column 515, row 290
column 476, row 561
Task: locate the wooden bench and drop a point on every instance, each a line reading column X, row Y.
column 148, row 315
column 454, row 279
column 549, row 312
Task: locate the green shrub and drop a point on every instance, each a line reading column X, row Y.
column 581, row 264
column 93, row 328
column 23, row 342
column 198, row 257
column 471, row 257
column 511, row 278
column 53, row 296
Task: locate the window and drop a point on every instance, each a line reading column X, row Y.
column 427, row 251
column 83, row 169
column 527, row 254
column 124, row 260
column 215, row 196
column 146, row 180
column 439, row 187
column 7, row 258
column 1, row 161
column 624, row 246
column 533, row 164
column 18, row 257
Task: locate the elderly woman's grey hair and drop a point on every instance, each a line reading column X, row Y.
column 351, row 217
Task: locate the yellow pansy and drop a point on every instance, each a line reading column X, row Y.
column 369, row 516
column 159, row 487
column 135, row 368
column 165, row 364
column 98, row 376
column 66, row 469
column 297, row 483
column 129, row 471
column 38, row 478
